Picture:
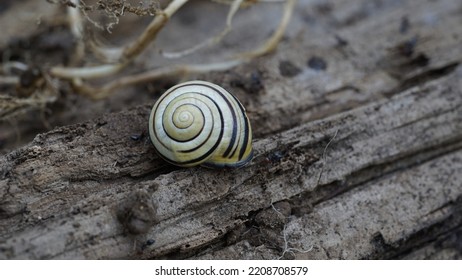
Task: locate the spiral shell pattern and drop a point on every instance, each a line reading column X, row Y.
column 200, row 123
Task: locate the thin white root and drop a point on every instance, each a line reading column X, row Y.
column 276, row 210
column 287, row 248
column 324, row 157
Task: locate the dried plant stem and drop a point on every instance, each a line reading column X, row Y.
column 75, row 20
column 128, row 53
column 151, row 31
column 267, row 46
column 87, row 72
column 76, row 27
column 134, row 49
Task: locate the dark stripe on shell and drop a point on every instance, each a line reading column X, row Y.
column 246, row 139
column 246, row 130
column 233, row 136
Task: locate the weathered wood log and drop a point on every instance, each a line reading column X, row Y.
column 338, row 180
column 64, row 195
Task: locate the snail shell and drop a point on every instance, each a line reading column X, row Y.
column 200, row 123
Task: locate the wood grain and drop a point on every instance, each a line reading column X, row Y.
column 359, row 160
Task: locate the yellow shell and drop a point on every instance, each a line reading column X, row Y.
column 200, row 123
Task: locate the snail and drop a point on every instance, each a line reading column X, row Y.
column 200, row 123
